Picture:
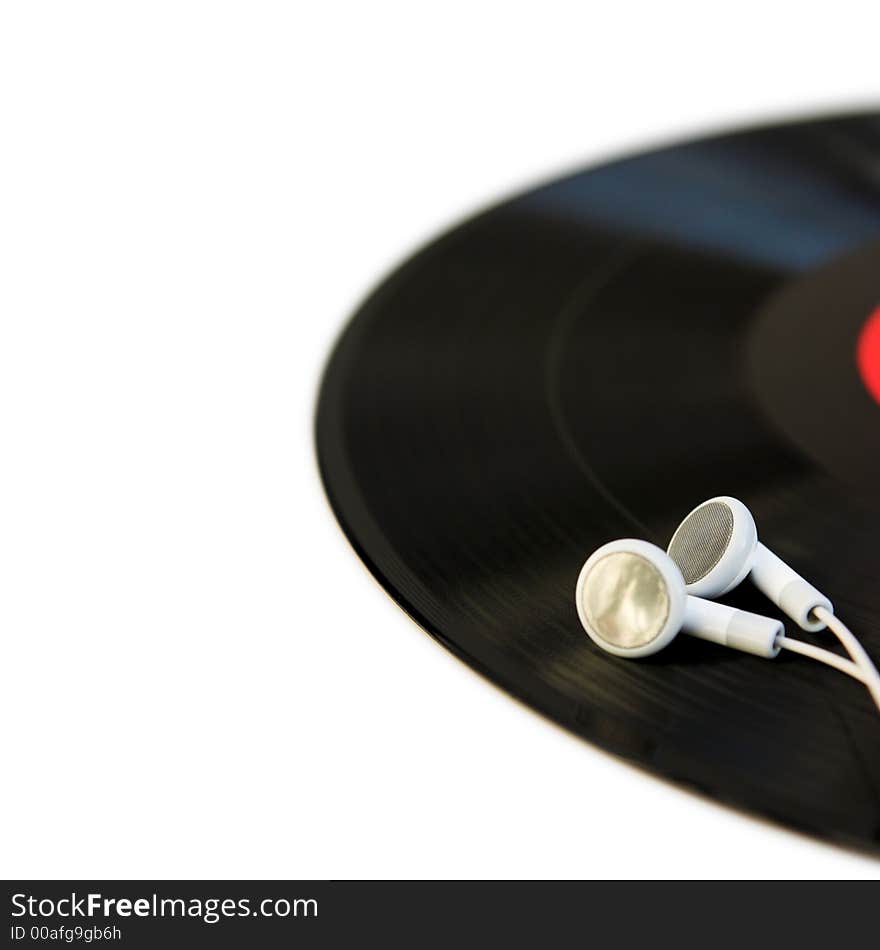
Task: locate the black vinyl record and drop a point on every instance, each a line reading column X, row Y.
column 589, row 361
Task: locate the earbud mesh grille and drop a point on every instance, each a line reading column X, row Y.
column 701, row 540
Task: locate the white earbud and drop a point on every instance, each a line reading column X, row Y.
column 717, row 547
column 631, row 600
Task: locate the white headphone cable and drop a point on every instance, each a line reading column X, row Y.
column 870, row 676
column 857, row 671
column 823, row 656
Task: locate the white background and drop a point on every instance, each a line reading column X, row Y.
column 198, row 676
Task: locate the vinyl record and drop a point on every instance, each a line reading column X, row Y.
column 588, row 362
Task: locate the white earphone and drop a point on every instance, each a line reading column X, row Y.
column 633, row 598
column 717, row 547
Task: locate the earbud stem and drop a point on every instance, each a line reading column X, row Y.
column 730, row 627
column 787, row 589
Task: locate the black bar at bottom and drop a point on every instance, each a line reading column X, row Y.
column 266, row 914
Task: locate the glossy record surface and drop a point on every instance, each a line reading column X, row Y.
column 589, row 361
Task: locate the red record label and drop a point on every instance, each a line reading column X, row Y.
column 868, row 354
